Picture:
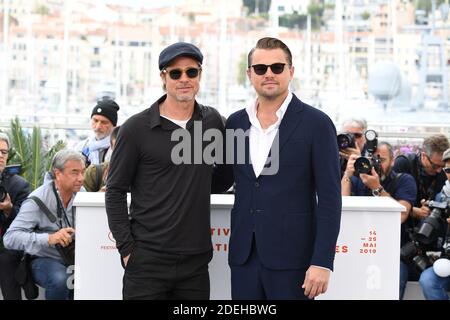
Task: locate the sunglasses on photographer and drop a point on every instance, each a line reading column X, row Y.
column 446, row 169
column 176, row 74
column 261, row 69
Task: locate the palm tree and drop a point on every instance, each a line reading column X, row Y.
column 29, row 151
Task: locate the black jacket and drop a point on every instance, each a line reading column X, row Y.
column 18, row 189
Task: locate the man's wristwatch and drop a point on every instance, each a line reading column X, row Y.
column 377, row 192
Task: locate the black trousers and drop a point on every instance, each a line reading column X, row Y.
column 152, row 275
column 9, row 261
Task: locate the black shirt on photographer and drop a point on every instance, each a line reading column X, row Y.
column 427, row 186
column 18, row 189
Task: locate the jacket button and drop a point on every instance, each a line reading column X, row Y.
column 251, row 210
column 257, row 184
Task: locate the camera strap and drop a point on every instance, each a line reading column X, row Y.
column 60, row 208
column 44, row 208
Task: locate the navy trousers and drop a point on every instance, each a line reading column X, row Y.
column 253, row 281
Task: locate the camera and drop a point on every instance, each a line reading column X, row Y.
column 423, row 237
column 67, row 253
column 346, row 140
column 415, row 251
column 431, row 225
column 9, row 170
column 365, row 164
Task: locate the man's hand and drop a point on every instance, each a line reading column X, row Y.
column 316, row 281
column 346, row 153
column 423, row 211
column 371, row 181
column 6, row 206
column 350, row 169
column 62, row 237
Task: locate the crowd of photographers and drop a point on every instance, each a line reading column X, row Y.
column 420, row 181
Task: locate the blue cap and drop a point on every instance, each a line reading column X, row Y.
column 179, row 49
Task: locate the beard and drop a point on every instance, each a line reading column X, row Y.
column 185, row 97
column 100, row 136
column 384, row 175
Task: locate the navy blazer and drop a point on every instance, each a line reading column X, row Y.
column 294, row 214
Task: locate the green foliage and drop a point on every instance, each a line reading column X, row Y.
column 242, row 69
column 42, row 10
column 293, row 21
column 426, row 5
column 262, row 5
column 28, row 150
column 365, row 15
column 315, row 10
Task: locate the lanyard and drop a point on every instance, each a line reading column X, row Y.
column 61, row 212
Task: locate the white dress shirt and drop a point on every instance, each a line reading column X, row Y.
column 261, row 140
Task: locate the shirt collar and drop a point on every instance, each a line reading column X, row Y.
column 156, row 120
column 251, row 111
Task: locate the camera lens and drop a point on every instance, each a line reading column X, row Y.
column 345, row 140
column 362, row 165
column 422, row 262
column 430, row 226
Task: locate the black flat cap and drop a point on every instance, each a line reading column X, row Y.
column 179, row 49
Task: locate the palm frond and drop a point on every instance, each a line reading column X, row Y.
column 20, row 146
column 30, row 152
column 18, row 138
column 36, row 170
column 48, row 156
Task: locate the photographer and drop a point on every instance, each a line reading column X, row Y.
column 34, row 232
column 426, row 168
column 355, row 128
column 382, row 181
column 13, row 191
column 435, row 287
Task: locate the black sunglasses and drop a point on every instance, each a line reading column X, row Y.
column 446, row 169
column 176, row 74
column 261, row 69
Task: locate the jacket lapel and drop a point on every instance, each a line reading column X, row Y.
column 247, row 167
column 291, row 120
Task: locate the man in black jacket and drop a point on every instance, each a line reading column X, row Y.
column 13, row 191
column 166, row 245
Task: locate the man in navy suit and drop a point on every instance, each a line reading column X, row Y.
column 286, row 216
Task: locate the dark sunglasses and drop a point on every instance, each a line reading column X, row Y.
column 176, row 74
column 261, row 69
column 446, row 169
